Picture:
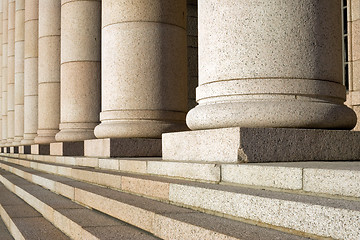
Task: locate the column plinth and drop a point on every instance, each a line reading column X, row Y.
column 19, row 70
column 80, row 69
column 144, row 89
column 270, row 65
column 49, row 70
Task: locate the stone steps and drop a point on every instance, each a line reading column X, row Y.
column 73, row 219
column 341, row 179
column 334, row 217
column 164, row 220
column 23, row 221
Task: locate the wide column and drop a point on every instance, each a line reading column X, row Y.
column 144, row 89
column 4, row 81
column 49, row 70
column 270, row 63
column 31, row 71
column 1, row 54
column 19, row 70
column 80, row 69
column 11, row 71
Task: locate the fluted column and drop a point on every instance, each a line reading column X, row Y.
column 31, row 71
column 270, row 63
column 19, row 70
column 49, row 70
column 80, row 69
column 144, row 89
column 4, row 81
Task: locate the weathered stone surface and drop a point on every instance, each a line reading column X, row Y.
column 261, row 145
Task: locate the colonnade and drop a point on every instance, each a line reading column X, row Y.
column 74, row 70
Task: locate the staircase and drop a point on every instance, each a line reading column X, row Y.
column 148, row 198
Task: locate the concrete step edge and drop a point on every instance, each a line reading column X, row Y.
column 162, row 224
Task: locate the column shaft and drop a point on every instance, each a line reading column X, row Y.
column 49, row 70
column 1, row 53
column 4, row 81
column 11, row 71
column 270, row 63
column 19, row 70
column 80, row 69
column 31, row 71
column 144, row 89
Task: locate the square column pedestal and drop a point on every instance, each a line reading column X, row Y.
column 122, row 147
column 67, row 148
column 236, row 145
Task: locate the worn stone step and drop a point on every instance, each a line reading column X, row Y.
column 4, row 232
column 76, row 221
column 164, row 220
column 23, row 221
column 334, row 178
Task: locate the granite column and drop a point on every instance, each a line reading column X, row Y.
column 144, row 68
column 49, row 70
column 270, row 63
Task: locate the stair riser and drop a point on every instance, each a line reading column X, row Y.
column 318, row 220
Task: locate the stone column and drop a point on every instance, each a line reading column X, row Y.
column 144, row 89
column 1, row 53
column 4, row 81
column 270, row 63
column 19, row 70
column 80, row 69
column 31, row 71
column 49, row 70
column 11, row 71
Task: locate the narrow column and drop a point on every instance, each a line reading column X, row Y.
column 144, row 89
column 19, row 70
column 31, row 71
column 49, row 70
column 11, row 71
column 270, row 63
column 1, row 54
column 80, row 69
column 4, row 81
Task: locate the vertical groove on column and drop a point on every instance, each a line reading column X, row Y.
column 11, row 71
column 144, row 70
column 80, row 69
column 4, row 71
column 49, row 70
column 31, row 71
column 19, row 70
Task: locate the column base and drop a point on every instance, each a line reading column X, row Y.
column 234, row 145
column 267, row 113
column 67, row 149
column 45, row 136
column 137, row 129
column 28, row 139
column 74, row 135
column 17, row 140
column 123, row 147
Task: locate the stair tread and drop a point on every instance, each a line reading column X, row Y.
column 4, row 232
column 93, row 221
column 167, row 212
column 246, row 190
column 30, row 223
